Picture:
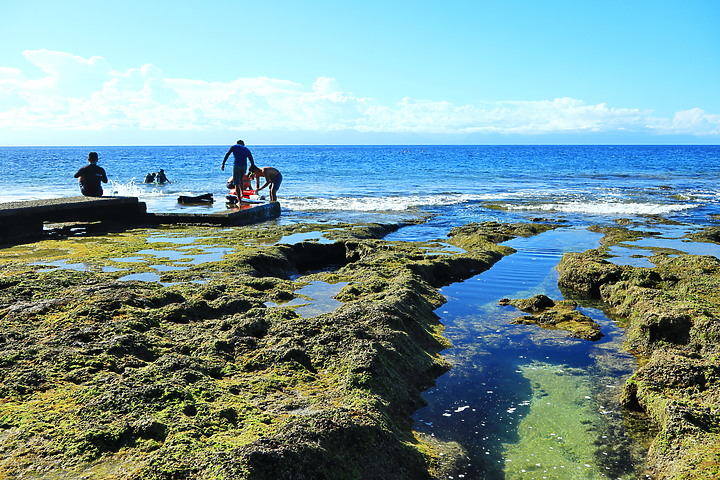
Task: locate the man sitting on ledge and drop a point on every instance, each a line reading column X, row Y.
column 90, row 177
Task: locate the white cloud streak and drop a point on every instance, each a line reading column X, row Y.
column 76, row 93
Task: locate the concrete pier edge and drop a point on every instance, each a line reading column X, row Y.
column 23, row 220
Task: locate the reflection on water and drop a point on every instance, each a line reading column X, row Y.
column 526, row 402
column 314, row 236
column 169, row 254
column 154, row 277
column 634, row 257
column 687, row 246
column 668, row 237
column 304, row 237
column 62, row 264
column 442, row 248
column 182, row 254
column 185, row 256
column 316, row 299
column 143, row 277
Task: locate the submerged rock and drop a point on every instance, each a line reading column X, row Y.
column 536, row 303
column 555, row 315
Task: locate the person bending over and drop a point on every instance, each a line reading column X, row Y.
column 273, row 178
column 90, row 176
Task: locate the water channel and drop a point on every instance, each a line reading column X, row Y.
column 525, row 402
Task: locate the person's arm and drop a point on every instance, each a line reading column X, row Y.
column 222, row 167
column 252, row 160
column 104, row 177
column 266, row 184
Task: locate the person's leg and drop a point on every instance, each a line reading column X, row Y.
column 93, row 193
column 273, row 191
column 238, row 174
column 274, row 187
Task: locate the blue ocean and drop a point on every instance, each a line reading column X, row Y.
column 455, row 184
column 522, row 402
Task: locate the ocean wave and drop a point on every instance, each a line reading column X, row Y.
column 133, row 189
column 378, row 204
column 607, row 208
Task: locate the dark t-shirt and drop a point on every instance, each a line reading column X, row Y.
column 241, row 154
column 90, row 177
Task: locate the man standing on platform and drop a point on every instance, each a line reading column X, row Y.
column 90, row 177
column 242, row 155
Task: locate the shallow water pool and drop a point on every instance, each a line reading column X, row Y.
column 527, row 402
column 314, row 299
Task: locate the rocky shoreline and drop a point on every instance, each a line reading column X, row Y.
column 195, row 376
column 672, row 317
column 210, row 373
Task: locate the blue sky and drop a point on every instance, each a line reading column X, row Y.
column 327, row 72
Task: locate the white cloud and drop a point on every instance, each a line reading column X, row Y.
column 694, row 122
column 76, row 93
column 68, row 75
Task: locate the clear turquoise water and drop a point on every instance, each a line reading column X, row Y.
column 525, row 402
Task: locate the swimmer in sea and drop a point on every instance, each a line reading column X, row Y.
column 161, row 178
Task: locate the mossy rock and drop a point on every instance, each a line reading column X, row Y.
column 553, row 315
column 672, row 315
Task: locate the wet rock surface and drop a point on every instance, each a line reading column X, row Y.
column 672, row 315
column 194, row 376
column 561, row 315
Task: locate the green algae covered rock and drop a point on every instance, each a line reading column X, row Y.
column 560, row 315
column 672, row 315
column 193, row 375
column 481, row 234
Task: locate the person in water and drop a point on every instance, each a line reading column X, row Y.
column 273, row 178
column 150, row 177
column 161, row 178
column 242, row 154
column 90, row 176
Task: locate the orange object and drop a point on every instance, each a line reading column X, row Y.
column 245, row 193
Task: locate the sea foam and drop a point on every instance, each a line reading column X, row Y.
column 378, row 204
column 607, row 208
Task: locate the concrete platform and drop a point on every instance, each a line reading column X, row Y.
column 21, row 221
column 245, row 215
column 24, row 220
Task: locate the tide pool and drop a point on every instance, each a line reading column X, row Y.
column 527, row 402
